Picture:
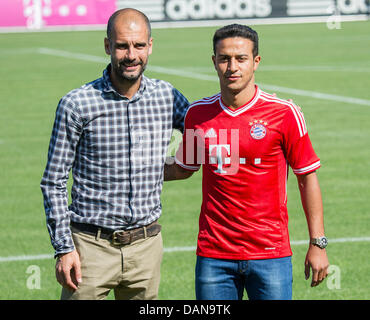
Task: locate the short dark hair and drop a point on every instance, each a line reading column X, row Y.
column 236, row 30
column 115, row 14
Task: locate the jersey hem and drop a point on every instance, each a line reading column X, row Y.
column 246, row 257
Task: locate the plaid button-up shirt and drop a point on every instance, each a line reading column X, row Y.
column 116, row 148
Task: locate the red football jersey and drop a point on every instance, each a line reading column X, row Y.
column 245, row 154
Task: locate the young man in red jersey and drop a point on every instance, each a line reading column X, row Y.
column 246, row 139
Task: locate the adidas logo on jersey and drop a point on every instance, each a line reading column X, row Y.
column 211, row 133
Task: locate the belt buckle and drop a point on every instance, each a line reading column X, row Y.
column 117, row 240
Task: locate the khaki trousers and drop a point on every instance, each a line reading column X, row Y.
column 132, row 271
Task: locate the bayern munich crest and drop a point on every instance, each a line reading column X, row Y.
column 258, row 130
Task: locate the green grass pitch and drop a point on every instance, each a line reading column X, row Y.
column 304, row 56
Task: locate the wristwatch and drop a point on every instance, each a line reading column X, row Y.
column 321, row 242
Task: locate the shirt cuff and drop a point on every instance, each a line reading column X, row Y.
column 186, row 167
column 316, row 165
column 63, row 245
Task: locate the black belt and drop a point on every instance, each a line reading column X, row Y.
column 119, row 237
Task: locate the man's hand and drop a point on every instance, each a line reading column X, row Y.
column 68, row 270
column 290, row 100
column 317, row 260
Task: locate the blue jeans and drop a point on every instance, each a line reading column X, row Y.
column 221, row 279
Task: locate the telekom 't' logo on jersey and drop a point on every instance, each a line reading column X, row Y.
column 223, row 149
column 219, row 159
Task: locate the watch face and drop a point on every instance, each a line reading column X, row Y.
column 323, row 242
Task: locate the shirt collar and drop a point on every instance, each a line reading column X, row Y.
column 242, row 108
column 108, row 86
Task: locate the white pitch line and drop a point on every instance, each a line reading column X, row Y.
column 200, row 76
column 279, row 68
column 91, row 58
column 335, row 240
column 26, row 257
column 317, row 95
column 178, row 249
column 312, row 68
column 72, row 55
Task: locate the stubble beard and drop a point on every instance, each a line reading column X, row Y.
column 123, row 76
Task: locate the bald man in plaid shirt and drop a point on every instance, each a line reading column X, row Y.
column 113, row 133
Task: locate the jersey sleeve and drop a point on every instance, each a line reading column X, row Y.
column 187, row 155
column 297, row 144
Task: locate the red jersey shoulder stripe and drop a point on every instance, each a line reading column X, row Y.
column 208, row 98
column 298, row 115
column 203, row 101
